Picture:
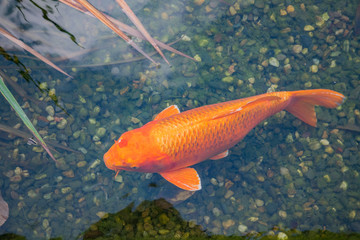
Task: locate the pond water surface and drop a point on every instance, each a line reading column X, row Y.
column 284, row 175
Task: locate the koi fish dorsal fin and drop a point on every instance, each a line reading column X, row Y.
column 246, row 105
column 167, row 112
column 184, row 178
column 220, row 155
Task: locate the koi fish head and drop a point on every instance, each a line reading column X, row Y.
column 123, row 155
column 133, row 151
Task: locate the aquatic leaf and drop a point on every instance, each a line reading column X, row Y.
column 4, row 211
column 99, row 15
column 15, row 105
column 131, row 15
column 46, row 17
column 30, row 50
column 350, row 127
column 28, row 136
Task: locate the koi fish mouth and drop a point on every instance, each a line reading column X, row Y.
column 108, row 161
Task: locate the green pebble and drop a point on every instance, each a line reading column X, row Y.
column 100, row 132
column 228, row 79
column 163, row 219
column 163, row 231
column 203, row 42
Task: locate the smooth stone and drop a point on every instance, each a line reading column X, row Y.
column 297, row 48
column 274, row 62
column 50, row 110
column 62, row 124
column 242, row 228
column 100, row 132
column 216, row 212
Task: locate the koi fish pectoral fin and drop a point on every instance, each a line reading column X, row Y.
column 184, row 178
column 220, row 155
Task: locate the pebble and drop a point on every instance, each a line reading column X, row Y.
column 282, row 236
column 259, row 202
column 163, row 219
column 50, row 110
column 18, row 171
column 242, row 228
column 290, row 9
column 65, row 190
column 45, row 223
column 115, row 71
column 343, row 185
column 101, row 214
column 297, row 48
column 352, row 214
column 135, row 120
column 199, row 2
column 283, row 12
column 32, row 194
column 228, row 223
column 228, row 194
column 216, row 211
column 309, row 28
column 274, row 62
column 260, row 178
column 81, row 164
column 15, row 178
column 95, row 163
column 100, row 132
column 228, row 79
column 232, row 11
column 314, row 145
column 282, row 214
column 314, row 68
column 324, row 142
column 327, row 178
column 164, row 16
column 214, row 181
column 119, row 179
column 47, row 196
column 284, row 171
column 274, row 79
column 69, row 173
column 163, row 231
column 62, row 124
column 206, row 219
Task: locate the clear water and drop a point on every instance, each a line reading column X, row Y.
column 280, row 176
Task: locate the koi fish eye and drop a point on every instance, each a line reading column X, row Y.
column 122, row 142
column 134, row 168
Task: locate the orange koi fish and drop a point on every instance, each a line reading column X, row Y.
column 173, row 141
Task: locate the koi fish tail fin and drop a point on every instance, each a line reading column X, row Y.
column 302, row 103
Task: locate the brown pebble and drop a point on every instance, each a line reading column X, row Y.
column 69, row 197
column 274, row 80
column 69, row 173
column 228, row 184
column 270, row 173
column 260, row 178
column 325, row 135
column 14, row 195
column 16, row 178
column 228, row 194
column 228, row 223
column 299, row 153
